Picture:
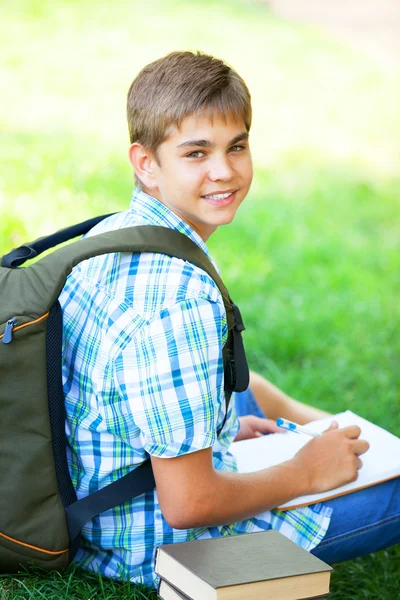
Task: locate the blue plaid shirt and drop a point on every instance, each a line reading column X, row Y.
column 143, row 374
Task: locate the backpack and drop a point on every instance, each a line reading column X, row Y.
column 40, row 516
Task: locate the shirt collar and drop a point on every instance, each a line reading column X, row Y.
column 154, row 212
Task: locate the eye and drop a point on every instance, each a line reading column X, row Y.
column 237, row 148
column 195, row 154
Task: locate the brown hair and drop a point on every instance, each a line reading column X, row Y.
column 178, row 85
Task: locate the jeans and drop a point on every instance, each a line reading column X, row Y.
column 362, row 522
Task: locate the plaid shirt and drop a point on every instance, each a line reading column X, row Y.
column 143, row 374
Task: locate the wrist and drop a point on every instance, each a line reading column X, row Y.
column 297, row 473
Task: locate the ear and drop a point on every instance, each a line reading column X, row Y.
column 142, row 161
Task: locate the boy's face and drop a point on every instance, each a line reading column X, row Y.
column 204, row 171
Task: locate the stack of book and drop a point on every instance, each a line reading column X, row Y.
column 253, row 566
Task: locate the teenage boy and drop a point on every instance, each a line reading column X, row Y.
column 143, row 372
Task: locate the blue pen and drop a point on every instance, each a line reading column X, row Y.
column 290, row 426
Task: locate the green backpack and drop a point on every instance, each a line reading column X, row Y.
column 40, row 516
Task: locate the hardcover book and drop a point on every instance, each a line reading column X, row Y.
column 255, row 566
column 166, row 591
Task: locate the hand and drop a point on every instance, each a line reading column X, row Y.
column 332, row 459
column 252, row 427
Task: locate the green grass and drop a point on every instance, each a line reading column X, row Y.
column 73, row 584
column 313, row 255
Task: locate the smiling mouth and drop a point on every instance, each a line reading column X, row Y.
column 220, row 196
column 220, row 200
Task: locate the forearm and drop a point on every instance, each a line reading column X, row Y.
column 193, row 494
column 231, row 497
column 275, row 403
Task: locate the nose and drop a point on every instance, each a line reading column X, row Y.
column 220, row 169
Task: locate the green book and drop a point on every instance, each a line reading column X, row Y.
column 255, row 566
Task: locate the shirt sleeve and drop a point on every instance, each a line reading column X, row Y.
column 170, row 377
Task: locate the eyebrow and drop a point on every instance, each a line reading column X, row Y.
column 208, row 144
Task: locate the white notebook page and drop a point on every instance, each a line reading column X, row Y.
column 380, row 462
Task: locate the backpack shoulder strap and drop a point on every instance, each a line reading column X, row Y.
column 50, row 272
column 20, row 255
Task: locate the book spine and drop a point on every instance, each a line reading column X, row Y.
column 156, row 560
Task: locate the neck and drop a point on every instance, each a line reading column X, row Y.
column 204, row 231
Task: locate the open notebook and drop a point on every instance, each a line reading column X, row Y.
column 380, row 463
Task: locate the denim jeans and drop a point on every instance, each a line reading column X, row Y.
column 362, row 522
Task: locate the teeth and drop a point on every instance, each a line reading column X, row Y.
column 219, row 196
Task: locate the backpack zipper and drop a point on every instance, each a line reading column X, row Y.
column 7, row 335
column 12, row 325
column 52, row 552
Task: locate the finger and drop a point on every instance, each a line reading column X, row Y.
column 265, row 426
column 334, row 425
column 360, row 447
column 270, row 426
column 352, row 431
column 359, row 464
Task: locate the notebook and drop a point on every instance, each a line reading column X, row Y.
column 254, row 566
column 380, row 463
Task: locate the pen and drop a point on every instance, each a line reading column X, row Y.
column 290, row 426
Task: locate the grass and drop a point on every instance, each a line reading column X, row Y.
column 313, row 256
column 73, row 584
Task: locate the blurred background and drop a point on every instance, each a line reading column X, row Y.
column 313, row 255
